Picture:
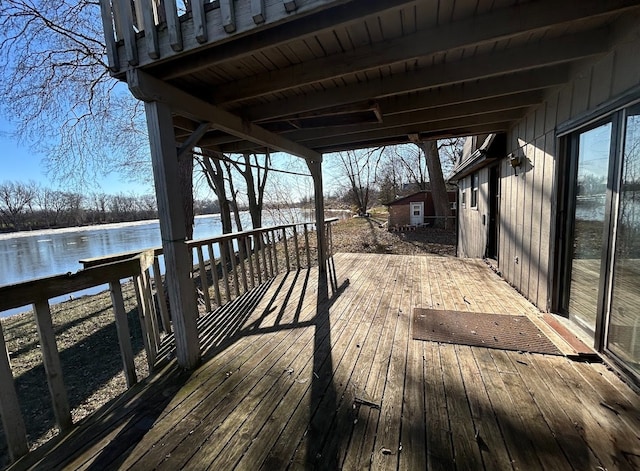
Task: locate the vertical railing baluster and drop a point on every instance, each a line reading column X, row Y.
column 256, row 252
column 286, row 248
column 12, row 420
column 296, row 246
column 234, row 267
column 250, row 260
column 306, row 243
column 204, row 283
column 143, row 317
column 274, row 245
column 124, row 334
column 52, row 366
column 162, row 299
column 242, row 256
column 214, row 274
column 225, row 271
column 264, row 256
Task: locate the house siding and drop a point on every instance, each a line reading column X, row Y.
column 526, row 206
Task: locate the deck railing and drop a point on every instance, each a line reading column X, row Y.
column 167, row 27
column 225, row 267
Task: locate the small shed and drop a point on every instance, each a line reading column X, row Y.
column 416, row 210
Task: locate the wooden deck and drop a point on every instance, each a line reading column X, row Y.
column 306, row 381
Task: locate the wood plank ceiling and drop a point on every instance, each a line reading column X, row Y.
column 363, row 73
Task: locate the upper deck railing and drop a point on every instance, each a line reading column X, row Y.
column 224, row 268
column 138, row 32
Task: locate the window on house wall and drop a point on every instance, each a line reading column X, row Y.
column 474, row 190
column 463, row 195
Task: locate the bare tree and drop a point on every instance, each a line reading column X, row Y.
column 360, row 167
column 255, row 175
column 15, row 200
column 212, row 169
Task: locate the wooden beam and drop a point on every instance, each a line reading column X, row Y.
column 521, row 59
column 454, row 94
column 500, row 24
column 147, row 88
column 446, row 125
column 178, row 257
column 360, row 139
column 341, row 15
column 424, row 117
column 402, row 139
column 150, row 31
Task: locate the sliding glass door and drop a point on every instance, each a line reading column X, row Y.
column 623, row 337
column 602, row 277
column 592, row 149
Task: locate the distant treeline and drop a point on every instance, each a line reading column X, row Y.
column 28, row 206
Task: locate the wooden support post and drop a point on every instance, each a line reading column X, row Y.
column 12, row 421
column 315, row 167
column 177, row 254
column 52, row 366
column 264, row 256
column 124, row 335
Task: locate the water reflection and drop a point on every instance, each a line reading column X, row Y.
column 28, row 256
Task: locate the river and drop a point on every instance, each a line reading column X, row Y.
column 37, row 254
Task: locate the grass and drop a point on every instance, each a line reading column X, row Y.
column 85, row 331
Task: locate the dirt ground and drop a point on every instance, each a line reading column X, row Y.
column 85, row 331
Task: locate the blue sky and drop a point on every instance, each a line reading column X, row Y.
column 19, row 163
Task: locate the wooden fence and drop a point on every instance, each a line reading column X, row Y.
column 225, row 267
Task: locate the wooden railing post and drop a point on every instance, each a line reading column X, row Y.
column 306, row 245
column 12, row 421
column 52, row 366
column 297, row 248
column 286, row 248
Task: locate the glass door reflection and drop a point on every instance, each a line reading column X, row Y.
column 588, row 235
column 623, row 337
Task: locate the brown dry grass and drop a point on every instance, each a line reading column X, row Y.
column 88, row 344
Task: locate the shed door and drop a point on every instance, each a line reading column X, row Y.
column 417, row 213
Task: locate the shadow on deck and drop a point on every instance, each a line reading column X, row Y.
column 294, row 376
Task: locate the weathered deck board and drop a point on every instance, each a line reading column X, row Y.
column 294, row 380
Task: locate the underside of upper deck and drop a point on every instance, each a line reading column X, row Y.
column 334, row 75
column 299, row 377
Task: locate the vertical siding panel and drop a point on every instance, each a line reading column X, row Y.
column 564, row 104
column 549, row 165
column 527, row 176
column 581, row 91
column 601, row 80
column 626, row 68
column 502, row 211
column 551, row 113
column 537, row 196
